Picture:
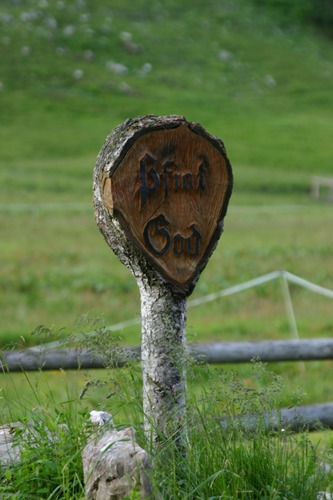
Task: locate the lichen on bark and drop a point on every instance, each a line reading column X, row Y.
column 163, row 312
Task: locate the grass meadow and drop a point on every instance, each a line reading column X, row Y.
column 70, row 72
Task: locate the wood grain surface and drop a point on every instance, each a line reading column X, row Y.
column 169, row 192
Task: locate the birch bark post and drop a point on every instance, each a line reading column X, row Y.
column 163, row 355
column 131, row 148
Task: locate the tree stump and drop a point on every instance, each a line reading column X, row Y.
column 161, row 191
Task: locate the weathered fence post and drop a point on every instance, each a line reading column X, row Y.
column 161, row 190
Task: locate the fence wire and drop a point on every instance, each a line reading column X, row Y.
column 285, row 277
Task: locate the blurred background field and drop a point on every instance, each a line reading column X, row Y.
column 72, row 70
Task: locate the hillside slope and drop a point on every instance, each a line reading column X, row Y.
column 70, row 71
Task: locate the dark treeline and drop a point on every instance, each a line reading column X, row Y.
column 318, row 13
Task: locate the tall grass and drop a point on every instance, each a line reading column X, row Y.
column 50, row 436
column 266, row 90
column 69, row 74
column 221, row 457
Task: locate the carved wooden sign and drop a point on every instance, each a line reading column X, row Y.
column 161, row 190
column 169, row 189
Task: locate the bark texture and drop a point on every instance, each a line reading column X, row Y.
column 163, row 360
column 163, row 310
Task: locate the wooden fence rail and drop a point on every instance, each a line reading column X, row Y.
column 219, row 352
column 310, row 417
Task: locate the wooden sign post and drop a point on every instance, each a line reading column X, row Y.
column 161, row 191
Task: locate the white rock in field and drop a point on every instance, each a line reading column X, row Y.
column 101, row 418
column 10, row 449
column 114, row 465
column 117, row 68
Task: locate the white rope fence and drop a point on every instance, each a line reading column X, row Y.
column 285, row 278
column 259, row 281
